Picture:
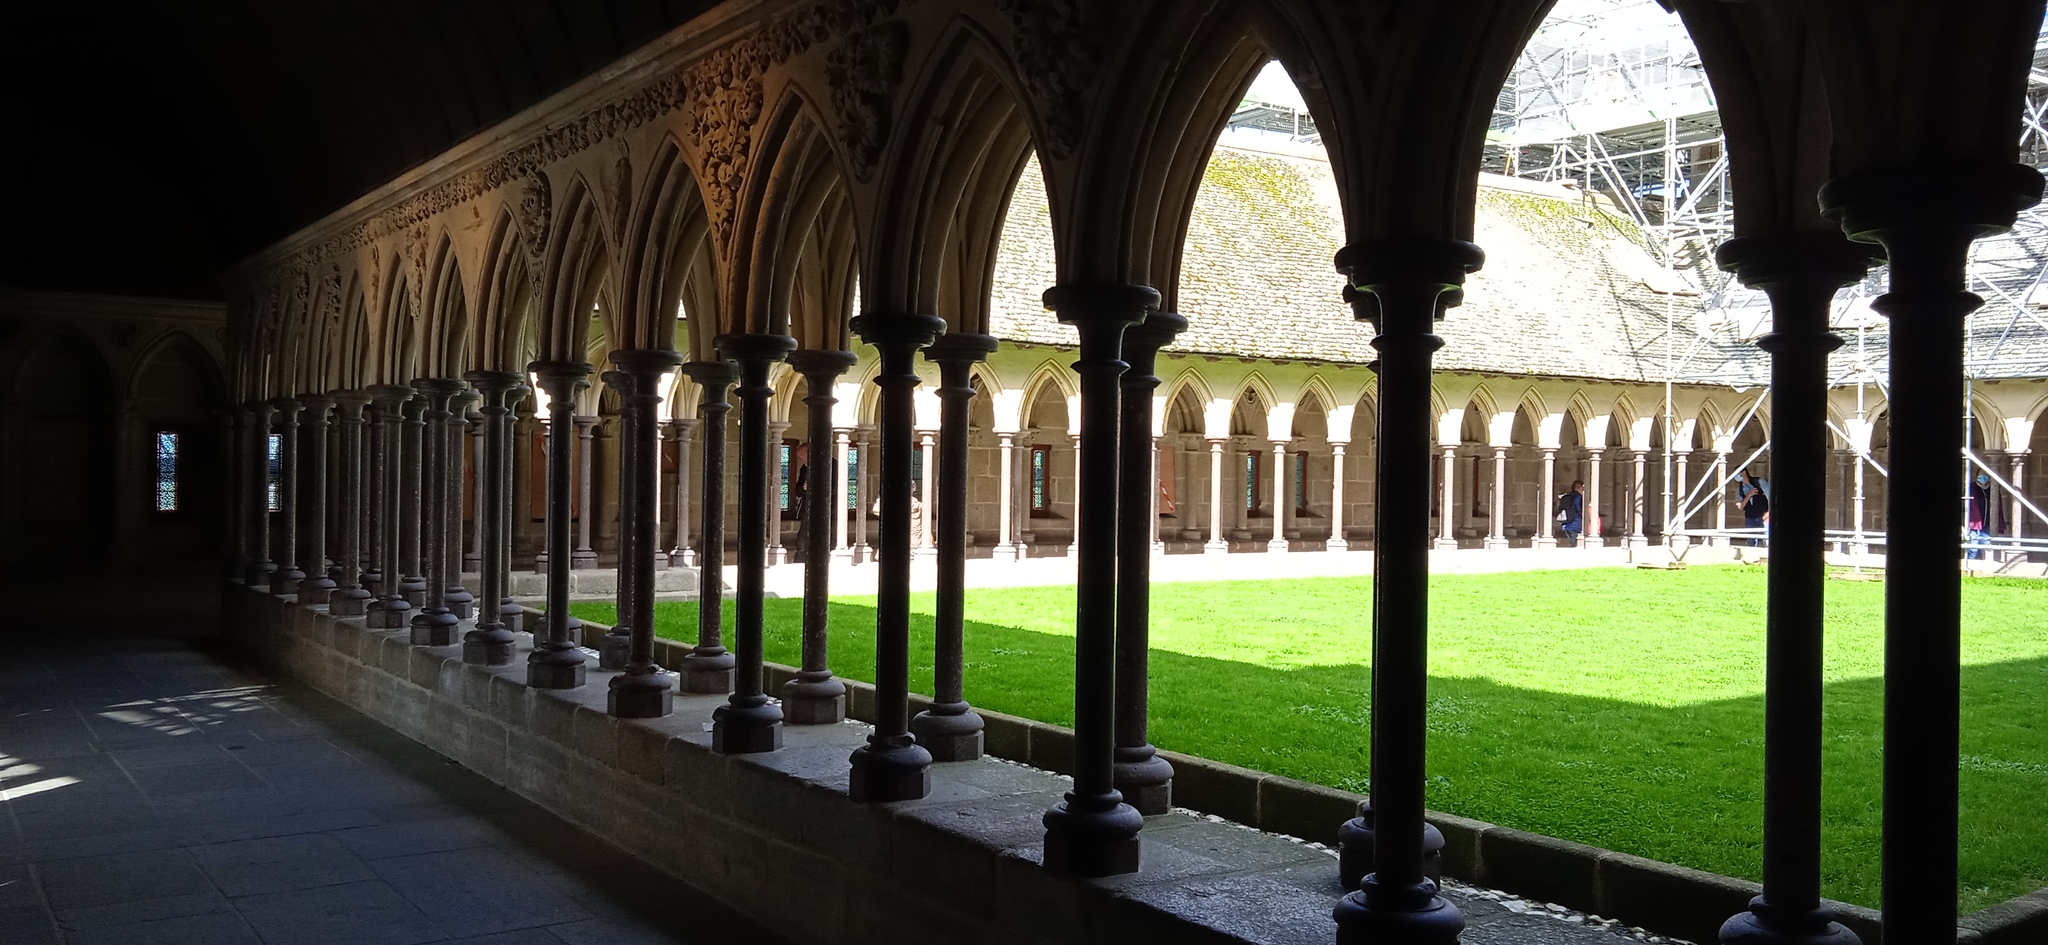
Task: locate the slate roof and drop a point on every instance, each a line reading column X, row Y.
column 1566, row 290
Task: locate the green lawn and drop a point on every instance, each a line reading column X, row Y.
column 1618, row 708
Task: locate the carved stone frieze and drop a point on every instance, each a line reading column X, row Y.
column 416, row 279
column 534, row 216
column 1056, row 60
column 864, row 71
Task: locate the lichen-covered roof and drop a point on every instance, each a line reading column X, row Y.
column 1566, row 290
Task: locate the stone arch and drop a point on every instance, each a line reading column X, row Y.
column 580, row 277
column 797, row 172
column 668, row 260
column 446, row 323
column 176, row 365
column 1190, row 381
column 506, row 295
column 1990, row 420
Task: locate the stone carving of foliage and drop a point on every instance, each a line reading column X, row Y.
column 534, row 216
column 416, row 281
column 1056, row 61
column 864, row 71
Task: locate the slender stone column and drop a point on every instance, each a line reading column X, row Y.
column 473, row 554
column 682, row 555
column 927, row 506
column 2017, row 515
column 1546, row 526
column 778, row 430
column 640, row 691
column 318, row 586
column 892, row 766
column 1593, row 529
column 949, row 729
column 1281, row 474
column 1074, row 542
column 862, row 551
column 615, row 650
column 411, row 512
column 1497, row 511
column 1680, row 520
column 748, row 722
column 1144, row 779
column 391, row 611
column 459, row 600
column 841, row 549
column 435, row 624
column 1412, row 282
column 1447, row 525
column 1337, row 541
column 1153, row 539
column 547, row 446
column 285, row 578
column 1925, row 217
column 349, row 597
column 1721, row 497
column 1216, row 545
column 555, row 662
column 490, row 643
column 1638, row 499
column 509, row 444
column 1093, row 832
column 371, row 465
column 261, row 565
column 584, row 556
column 815, row 696
column 659, row 550
column 708, row 668
column 1800, row 273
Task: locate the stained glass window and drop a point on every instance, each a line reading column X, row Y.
column 1041, row 469
column 166, row 471
column 917, row 473
column 1301, row 483
column 274, row 501
column 1251, row 482
column 782, row 463
column 853, row 477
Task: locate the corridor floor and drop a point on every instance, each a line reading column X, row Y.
column 157, row 792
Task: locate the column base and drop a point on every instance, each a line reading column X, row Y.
column 708, row 674
column 349, row 602
column 459, row 602
column 1216, row 548
column 314, row 592
column 1495, row 544
column 660, row 560
column 1444, row 544
column 842, row 556
column 1415, row 915
column 435, row 627
column 778, row 555
column 949, row 731
column 923, row 553
column 746, row 726
column 488, row 646
column 391, row 613
column 1336, row 544
column 1355, row 842
column 1144, row 779
column 510, row 615
column 472, row 564
column 640, row 696
column 862, row 554
column 413, row 589
column 1638, row 541
column 1543, row 541
column 582, row 560
column 682, row 557
column 1092, row 836
column 890, row 769
column 259, row 574
column 552, row 666
column 1277, row 546
column 813, row 698
column 285, row 583
column 1763, row 925
column 615, row 649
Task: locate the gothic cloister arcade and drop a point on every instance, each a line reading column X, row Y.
column 893, row 281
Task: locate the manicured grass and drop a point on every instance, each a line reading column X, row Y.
column 1618, row 708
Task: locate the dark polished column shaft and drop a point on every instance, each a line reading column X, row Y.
column 412, row 585
column 490, row 643
column 815, row 696
column 555, row 662
column 640, row 691
column 1800, row 273
column 949, row 729
column 1925, row 217
column 1412, row 280
column 1142, row 777
column 286, row 577
column 748, row 722
column 510, row 445
column 313, row 424
column 391, row 611
column 892, row 766
column 615, row 650
column 708, row 668
column 680, row 429
column 460, row 601
column 435, row 624
column 261, row 564
column 1093, row 832
column 586, row 427
column 351, row 598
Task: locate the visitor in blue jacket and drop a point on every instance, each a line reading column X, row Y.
column 1571, row 513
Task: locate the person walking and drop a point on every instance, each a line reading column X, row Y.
column 1980, row 515
column 1755, row 494
column 1571, row 513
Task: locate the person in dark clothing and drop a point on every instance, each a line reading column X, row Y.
column 1755, row 493
column 1980, row 514
column 1571, row 513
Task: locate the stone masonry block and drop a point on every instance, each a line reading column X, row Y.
column 508, row 699
column 476, row 686
column 348, row 638
column 1688, row 903
column 1540, row 867
column 446, row 730
column 1462, row 838
column 449, row 686
column 1215, row 788
column 1005, row 736
column 1051, row 748
column 594, row 735
column 643, row 748
column 395, row 656
column 1300, row 809
column 798, row 796
column 551, row 715
column 2023, row 919
column 424, row 668
column 697, row 774
column 485, row 739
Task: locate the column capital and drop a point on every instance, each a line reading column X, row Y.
column 1823, row 258
column 1971, row 199
column 711, row 374
column 749, row 349
column 493, row 382
column 683, row 425
column 960, row 347
column 822, row 364
column 1090, row 302
column 894, row 333
column 562, row 379
column 1376, row 264
column 586, row 425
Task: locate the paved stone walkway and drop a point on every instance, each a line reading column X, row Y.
column 156, row 793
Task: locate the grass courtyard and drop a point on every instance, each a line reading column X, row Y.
column 1613, row 707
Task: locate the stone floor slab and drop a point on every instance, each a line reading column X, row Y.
column 280, row 864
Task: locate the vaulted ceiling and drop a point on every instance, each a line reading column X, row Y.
column 152, row 143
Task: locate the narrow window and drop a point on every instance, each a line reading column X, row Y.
column 166, row 471
column 273, row 501
column 1251, row 481
column 853, row 477
column 1301, row 483
column 1041, row 489
column 917, row 473
column 782, row 463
